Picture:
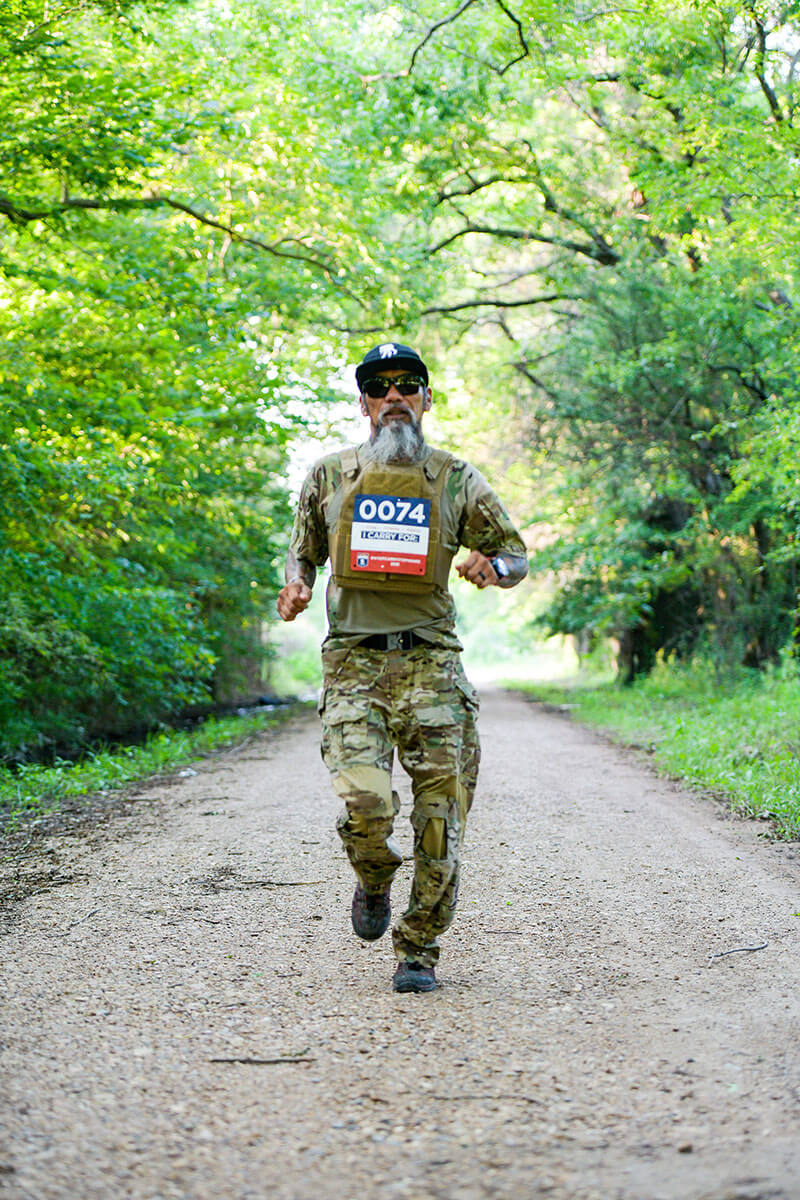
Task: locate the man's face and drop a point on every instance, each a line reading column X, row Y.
column 394, row 406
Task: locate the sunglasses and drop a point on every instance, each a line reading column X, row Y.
column 378, row 387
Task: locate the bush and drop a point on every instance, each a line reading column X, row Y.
column 85, row 656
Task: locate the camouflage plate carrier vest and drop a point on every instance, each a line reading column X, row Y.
column 401, row 491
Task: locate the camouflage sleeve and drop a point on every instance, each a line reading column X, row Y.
column 309, row 534
column 485, row 524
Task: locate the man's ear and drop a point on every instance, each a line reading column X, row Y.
column 428, row 405
column 363, row 404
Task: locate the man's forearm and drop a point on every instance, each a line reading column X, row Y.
column 300, row 568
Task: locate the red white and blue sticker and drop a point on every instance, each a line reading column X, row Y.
column 390, row 533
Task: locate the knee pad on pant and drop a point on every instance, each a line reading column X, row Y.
column 434, row 838
column 366, row 789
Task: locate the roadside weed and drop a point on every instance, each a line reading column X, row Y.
column 32, row 789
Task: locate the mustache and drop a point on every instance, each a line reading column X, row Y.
column 394, row 411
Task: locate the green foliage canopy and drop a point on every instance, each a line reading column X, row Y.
column 588, row 218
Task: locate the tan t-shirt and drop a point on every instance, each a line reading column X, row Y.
column 472, row 516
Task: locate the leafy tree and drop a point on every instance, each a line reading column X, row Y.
column 148, row 399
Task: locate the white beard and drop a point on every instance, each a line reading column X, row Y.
column 397, row 442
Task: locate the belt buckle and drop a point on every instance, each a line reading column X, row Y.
column 394, row 641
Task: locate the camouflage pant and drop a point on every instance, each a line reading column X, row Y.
column 421, row 703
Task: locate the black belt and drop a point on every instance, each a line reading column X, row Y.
column 406, row 639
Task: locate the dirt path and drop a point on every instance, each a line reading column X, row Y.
column 191, row 1016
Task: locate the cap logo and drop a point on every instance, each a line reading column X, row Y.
column 387, row 350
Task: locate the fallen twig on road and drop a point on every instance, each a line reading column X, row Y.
column 737, row 950
column 489, row 1096
column 261, row 1062
column 277, row 882
column 64, row 932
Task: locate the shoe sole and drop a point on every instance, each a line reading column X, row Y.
column 406, row 986
column 374, row 934
column 371, row 937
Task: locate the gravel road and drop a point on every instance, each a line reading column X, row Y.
column 186, row 1012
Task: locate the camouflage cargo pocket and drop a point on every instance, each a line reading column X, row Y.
column 352, row 732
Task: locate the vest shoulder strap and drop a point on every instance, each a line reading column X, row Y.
column 349, row 461
column 436, row 462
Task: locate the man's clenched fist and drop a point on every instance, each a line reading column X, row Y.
column 293, row 599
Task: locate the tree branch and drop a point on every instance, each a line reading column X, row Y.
column 761, row 54
column 554, row 206
column 498, row 302
column 524, row 370
column 22, row 216
column 444, row 21
column 448, row 20
column 521, row 36
column 477, row 185
column 753, row 384
column 30, row 33
column 599, row 250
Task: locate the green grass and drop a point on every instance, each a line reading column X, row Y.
column 740, row 739
column 33, row 790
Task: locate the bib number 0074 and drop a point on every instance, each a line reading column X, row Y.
column 395, row 508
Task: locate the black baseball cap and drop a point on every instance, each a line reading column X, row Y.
column 389, row 354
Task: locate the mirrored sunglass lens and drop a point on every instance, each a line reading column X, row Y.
column 376, row 387
column 407, row 385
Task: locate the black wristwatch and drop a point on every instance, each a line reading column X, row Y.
column 500, row 567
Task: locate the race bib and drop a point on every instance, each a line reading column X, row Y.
column 390, row 533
